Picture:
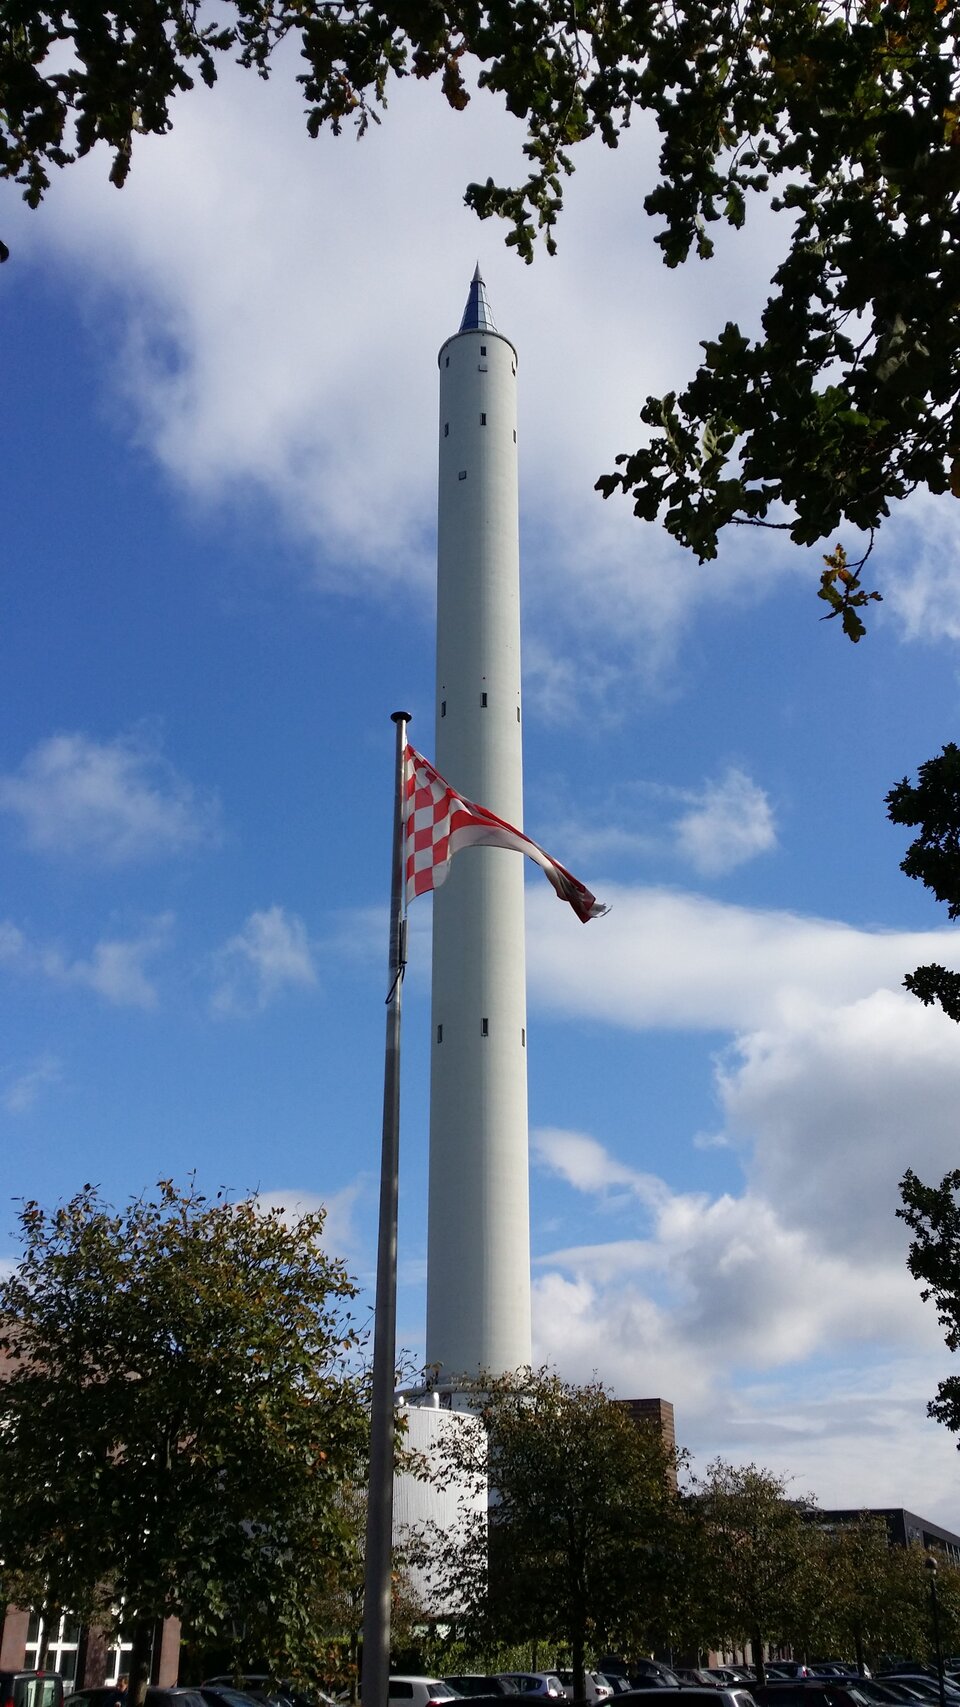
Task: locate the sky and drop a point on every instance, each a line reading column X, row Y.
column 218, row 489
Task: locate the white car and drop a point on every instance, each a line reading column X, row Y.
column 596, row 1688
column 420, row 1692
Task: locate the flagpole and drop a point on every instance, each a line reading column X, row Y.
column 379, row 1547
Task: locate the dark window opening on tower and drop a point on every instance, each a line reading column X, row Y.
column 439, row 1033
column 446, row 429
column 514, row 435
column 484, row 1028
column 483, row 420
column 483, row 700
column 483, row 349
column 518, row 714
column 523, row 1037
column 447, row 363
column 443, row 708
column 462, row 475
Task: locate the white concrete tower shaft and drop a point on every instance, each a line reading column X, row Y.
column 478, row 1262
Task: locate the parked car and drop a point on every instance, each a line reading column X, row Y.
column 651, row 1674
column 808, row 1692
column 690, row 1695
column 31, row 1689
column 480, row 1683
column 263, row 1688
column 695, row 1674
column 784, row 1671
column 104, row 1695
column 619, row 1684
column 535, row 1683
column 596, row 1688
column 420, row 1691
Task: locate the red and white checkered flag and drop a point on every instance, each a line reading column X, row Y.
column 437, row 822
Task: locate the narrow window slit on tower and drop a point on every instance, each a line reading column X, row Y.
column 439, row 1033
column 462, row 475
column 518, row 714
column 514, row 435
column 523, row 1036
column 443, row 708
column 446, row 429
column 483, row 420
column 484, row 1028
column 483, row 349
column 448, row 361
column 483, row 700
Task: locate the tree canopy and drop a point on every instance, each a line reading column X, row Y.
column 844, row 115
column 933, row 805
column 575, row 1547
column 178, row 1418
column 932, row 1212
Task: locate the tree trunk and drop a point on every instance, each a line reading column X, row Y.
column 140, row 1658
column 858, row 1643
column 576, row 1655
column 756, row 1644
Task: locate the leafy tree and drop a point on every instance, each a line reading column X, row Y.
column 932, row 1212
column 573, row 1546
column 761, row 1553
column 843, row 114
column 933, row 803
column 177, row 1419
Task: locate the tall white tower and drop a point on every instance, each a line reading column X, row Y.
column 478, row 1259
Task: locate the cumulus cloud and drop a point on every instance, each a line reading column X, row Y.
column 327, row 410
column 730, row 822
column 114, row 969
column 24, row 1088
column 270, row 954
column 670, row 959
column 714, row 829
column 109, row 801
column 778, row 1313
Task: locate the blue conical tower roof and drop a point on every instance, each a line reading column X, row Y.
column 477, row 316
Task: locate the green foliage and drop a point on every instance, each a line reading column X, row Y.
column 843, row 114
column 932, row 1212
column 574, row 1548
column 759, row 1553
column 178, row 1420
column 933, row 857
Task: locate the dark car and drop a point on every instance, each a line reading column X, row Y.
column 104, row 1695
column 650, row 1674
column 689, row 1695
column 808, row 1692
column 31, row 1689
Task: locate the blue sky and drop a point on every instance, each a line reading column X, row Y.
column 218, row 491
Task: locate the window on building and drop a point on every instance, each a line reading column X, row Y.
column 484, row 1027
column 446, row 429
column 462, row 475
column 483, row 701
column 514, row 435
column 523, row 1037
column 483, row 420
column 447, row 363
column 439, row 1033
column 443, row 708
column 483, row 349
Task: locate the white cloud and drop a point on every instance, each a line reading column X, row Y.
column 24, row 1089
column 270, row 954
column 730, row 822
column 109, row 801
column 668, row 959
column 326, row 407
column 115, row 968
column 723, row 824
column 778, row 1313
